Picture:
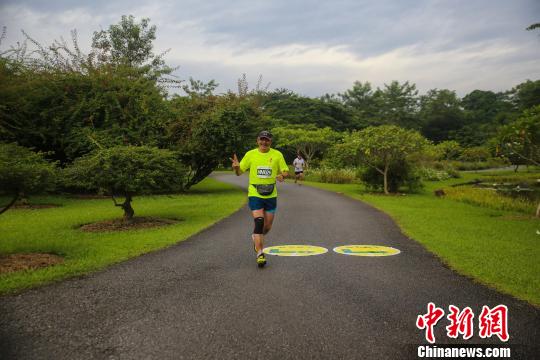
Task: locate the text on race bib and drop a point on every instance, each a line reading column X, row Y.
column 264, row 172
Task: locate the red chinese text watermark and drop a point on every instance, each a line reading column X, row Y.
column 492, row 321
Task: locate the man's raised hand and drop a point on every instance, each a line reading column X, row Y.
column 235, row 163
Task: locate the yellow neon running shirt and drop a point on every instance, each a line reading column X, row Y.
column 263, row 169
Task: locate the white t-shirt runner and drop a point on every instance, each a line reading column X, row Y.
column 299, row 164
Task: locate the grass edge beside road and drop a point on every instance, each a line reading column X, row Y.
column 489, row 246
column 56, row 230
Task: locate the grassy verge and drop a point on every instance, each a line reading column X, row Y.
column 496, row 247
column 55, row 230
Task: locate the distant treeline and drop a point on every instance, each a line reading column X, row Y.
column 57, row 100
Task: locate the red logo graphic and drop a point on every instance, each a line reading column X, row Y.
column 460, row 322
column 491, row 322
column 494, row 322
column 429, row 320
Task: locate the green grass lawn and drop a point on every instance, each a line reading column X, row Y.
column 55, row 230
column 495, row 247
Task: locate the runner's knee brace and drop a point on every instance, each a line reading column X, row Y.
column 259, row 225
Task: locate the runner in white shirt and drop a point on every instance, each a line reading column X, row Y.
column 299, row 165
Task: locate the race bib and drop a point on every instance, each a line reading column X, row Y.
column 264, row 172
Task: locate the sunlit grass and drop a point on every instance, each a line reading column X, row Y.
column 499, row 248
column 56, row 230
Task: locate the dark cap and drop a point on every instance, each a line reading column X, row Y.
column 265, row 134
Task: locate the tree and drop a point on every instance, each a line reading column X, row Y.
column 67, row 105
column 128, row 171
column 199, row 88
column 397, row 105
column 448, row 150
column 475, row 154
column 484, row 111
column 295, row 110
column 68, row 114
column 440, row 114
column 520, row 140
column 307, row 141
column 533, row 26
column 342, row 154
column 482, row 106
column 361, row 99
column 526, row 95
column 23, row 172
column 384, row 146
column 207, row 130
column 127, row 43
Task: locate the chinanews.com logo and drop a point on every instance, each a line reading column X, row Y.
column 460, row 323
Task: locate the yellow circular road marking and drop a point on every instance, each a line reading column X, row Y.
column 295, row 250
column 366, row 250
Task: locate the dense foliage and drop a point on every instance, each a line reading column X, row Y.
column 23, row 172
column 207, row 130
column 128, row 171
column 67, row 104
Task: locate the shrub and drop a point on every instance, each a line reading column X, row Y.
column 475, row 154
column 478, row 165
column 400, row 174
column 128, row 171
column 207, row 131
column 433, row 174
column 448, row 150
column 384, row 147
column 23, row 172
column 333, row 176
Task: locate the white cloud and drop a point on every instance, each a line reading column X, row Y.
column 429, row 46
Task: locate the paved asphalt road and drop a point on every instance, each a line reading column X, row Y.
column 205, row 297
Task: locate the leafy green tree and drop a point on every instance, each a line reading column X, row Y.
column 69, row 113
column 67, row 104
column 127, row 43
column 483, row 106
column 475, row 154
column 128, row 171
column 440, row 114
column 361, row 98
column 397, row 105
column 199, row 88
column 448, row 150
column 298, row 110
column 307, row 141
column 207, row 130
column 520, row 140
column 401, row 173
column 23, row 172
column 533, row 26
column 484, row 112
column 526, row 95
column 342, row 154
column 384, row 146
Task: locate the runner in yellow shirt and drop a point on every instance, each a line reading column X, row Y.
column 266, row 165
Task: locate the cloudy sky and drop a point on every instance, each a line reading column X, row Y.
column 315, row 47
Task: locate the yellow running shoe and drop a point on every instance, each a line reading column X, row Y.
column 261, row 260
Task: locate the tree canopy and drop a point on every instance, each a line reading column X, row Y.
column 23, row 172
column 128, row 171
column 380, row 147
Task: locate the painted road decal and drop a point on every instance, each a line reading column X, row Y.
column 295, row 250
column 366, row 250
